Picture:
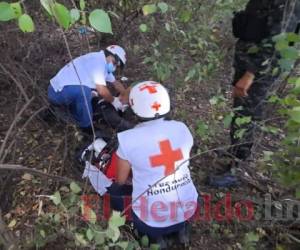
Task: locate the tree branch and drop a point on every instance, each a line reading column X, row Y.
column 13, row 125
column 13, row 167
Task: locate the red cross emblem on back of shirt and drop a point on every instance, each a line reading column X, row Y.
column 167, row 158
column 151, row 88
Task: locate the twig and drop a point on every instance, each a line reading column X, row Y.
column 20, row 130
column 292, row 237
column 34, row 84
column 14, row 167
column 19, row 85
column 13, row 125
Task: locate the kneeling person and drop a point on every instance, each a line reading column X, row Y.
column 75, row 84
column 157, row 152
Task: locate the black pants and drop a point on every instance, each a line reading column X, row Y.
column 252, row 106
column 111, row 116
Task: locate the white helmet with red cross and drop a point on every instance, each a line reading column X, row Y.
column 118, row 51
column 149, row 99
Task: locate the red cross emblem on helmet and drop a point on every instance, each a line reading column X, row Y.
column 156, row 106
column 151, row 88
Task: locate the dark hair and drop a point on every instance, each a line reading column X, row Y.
column 118, row 60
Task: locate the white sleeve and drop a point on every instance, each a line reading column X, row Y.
column 188, row 135
column 98, row 79
column 98, row 74
column 120, row 151
column 110, row 78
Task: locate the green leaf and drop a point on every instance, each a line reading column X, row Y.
column 99, row 237
column 91, row 217
column 47, row 6
column 149, row 9
column 239, row 133
column 253, row 50
column 16, row 8
column 12, row 223
column 185, row 16
column 168, row 27
column 271, row 129
column 62, row 15
column 252, row 237
column 281, row 36
column 286, row 64
column 89, row 234
column 202, row 129
column 217, row 99
column 80, row 239
column 281, row 44
column 163, row 7
column 82, row 4
column 113, row 233
column 268, row 155
column 290, row 53
column 25, row 23
column 154, row 246
column 297, row 194
column 75, row 15
column 42, row 233
column 227, row 120
column 132, row 245
column 56, row 198
column 295, row 114
column 145, row 241
column 75, row 188
column 116, row 220
column 275, row 71
column 143, row 27
column 190, row 75
column 242, row 120
column 294, row 80
column 214, row 100
column 293, row 37
column 123, row 244
column 6, row 12
column 56, row 218
column 100, row 20
column 273, row 99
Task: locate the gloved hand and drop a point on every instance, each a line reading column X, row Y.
column 95, row 93
column 117, row 104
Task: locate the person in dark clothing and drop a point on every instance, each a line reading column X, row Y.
column 254, row 62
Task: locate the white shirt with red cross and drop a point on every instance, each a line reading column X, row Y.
column 155, row 149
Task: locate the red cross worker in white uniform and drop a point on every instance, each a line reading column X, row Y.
column 156, row 152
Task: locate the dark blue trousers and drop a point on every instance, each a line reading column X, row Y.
column 72, row 97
